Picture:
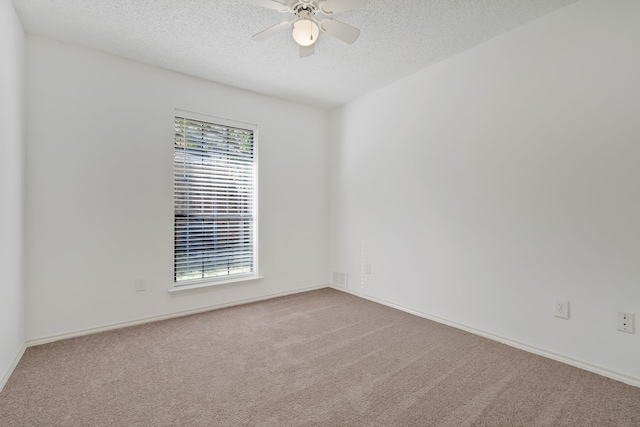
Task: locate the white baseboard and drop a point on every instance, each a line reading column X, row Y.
column 522, row 346
column 7, row 374
column 112, row 326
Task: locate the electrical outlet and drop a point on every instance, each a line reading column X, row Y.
column 561, row 309
column 140, row 284
column 625, row 322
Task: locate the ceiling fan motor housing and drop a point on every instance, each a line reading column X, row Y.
column 305, row 10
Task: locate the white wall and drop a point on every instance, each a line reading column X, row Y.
column 482, row 188
column 99, row 189
column 12, row 304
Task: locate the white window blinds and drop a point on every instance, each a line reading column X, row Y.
column 213, row 200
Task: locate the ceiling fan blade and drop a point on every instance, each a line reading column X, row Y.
column 306, row 51
column 269, row 4
column 337, row 6
column 271, row 31
column 340, row 30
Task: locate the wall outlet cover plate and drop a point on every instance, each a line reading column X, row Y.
column 561, row 309
column 625, row 322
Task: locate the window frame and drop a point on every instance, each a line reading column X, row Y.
column 223, row 279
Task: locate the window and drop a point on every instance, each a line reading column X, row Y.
column 214, row 201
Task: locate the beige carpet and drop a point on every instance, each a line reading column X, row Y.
column 321, row 358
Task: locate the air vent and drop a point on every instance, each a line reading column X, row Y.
column 339, row 278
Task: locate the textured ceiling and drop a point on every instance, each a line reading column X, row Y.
column 211, row 39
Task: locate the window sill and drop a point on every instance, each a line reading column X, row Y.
column 201, row 284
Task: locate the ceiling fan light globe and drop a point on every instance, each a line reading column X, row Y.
column 305, row 32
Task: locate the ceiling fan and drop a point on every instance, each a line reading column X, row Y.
column 309, row 18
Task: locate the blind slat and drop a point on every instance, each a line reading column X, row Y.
column 213, row 200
